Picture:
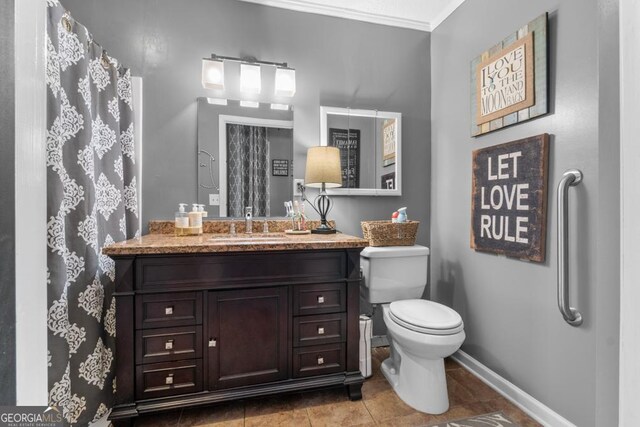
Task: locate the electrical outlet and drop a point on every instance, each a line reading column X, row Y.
column 214, row 200
column 298, row 186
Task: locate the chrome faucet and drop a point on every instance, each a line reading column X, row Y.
column 248, row 220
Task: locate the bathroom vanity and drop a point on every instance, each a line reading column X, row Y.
column 214, row 318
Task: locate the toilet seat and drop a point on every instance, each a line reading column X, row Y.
column 426, row 317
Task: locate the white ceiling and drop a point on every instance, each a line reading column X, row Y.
column 422, row 15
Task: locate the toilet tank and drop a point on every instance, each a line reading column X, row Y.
column 393, row 273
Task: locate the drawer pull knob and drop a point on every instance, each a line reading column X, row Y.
column 169, row 379
column 212, row 342
column 320, row 299
column 320, row 360
column 168, row 310
column 168, row 345
column 320, row 330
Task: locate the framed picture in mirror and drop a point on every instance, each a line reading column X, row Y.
column 370, row 143
column 388, row 181
column 348, row 142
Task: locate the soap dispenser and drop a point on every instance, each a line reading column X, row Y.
column 182, row 221
column 195, row 220
column 203, row 215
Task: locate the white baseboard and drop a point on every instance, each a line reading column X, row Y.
column 534, row 408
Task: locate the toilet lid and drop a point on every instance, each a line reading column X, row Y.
column 427, row 317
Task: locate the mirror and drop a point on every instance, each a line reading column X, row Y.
column 245, row 158
column 370, row 149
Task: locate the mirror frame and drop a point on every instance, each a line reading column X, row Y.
column 223, row 120
column 324, row 111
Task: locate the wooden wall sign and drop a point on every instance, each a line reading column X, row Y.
column 509, row 198
column 348, row 141
column 509, row 81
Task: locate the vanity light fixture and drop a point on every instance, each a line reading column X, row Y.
column 250, row 78
column 250, row 74
column 212, row 74
column 285, row 81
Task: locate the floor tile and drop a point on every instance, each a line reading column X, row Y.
column 382, row 402
column 276, row 411
column 320, row 398
column 450, row 364
column 345, row 413
column 458, row 393
column 478, row 389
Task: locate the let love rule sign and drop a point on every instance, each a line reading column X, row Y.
column 509, row 198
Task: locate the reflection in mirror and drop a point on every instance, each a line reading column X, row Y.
column 369, row 143
column 245, row 159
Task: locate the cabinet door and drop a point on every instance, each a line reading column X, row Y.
column 248, row 336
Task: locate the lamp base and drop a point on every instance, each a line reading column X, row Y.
column 321, row 230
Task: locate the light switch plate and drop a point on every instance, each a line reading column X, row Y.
column 214, row 200
column 296, row 187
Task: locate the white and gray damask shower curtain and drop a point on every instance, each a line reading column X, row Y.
column 92, row 202
column 248, row 170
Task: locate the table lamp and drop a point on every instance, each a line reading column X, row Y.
column 323, row 171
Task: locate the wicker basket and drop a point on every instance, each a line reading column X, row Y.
column 387, row 233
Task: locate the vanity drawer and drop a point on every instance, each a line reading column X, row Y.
column 319, row 329
column 320, row 298
column 169, row 344
column 168, row 310
column 168, row 379
column 318, row 360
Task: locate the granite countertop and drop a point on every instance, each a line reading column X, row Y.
column 213, row 243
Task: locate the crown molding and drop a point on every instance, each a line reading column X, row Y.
column 444, row 14
column 347, row 13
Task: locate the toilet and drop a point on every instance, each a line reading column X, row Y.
column 421, row 333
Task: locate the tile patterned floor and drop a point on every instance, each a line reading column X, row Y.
column 379, row 406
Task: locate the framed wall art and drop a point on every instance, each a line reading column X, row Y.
column 509, row 198
column 509, row 81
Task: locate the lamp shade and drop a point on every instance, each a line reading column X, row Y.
column 323, row 167
column 212, row 74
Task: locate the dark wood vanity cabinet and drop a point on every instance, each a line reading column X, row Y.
column 200, row 329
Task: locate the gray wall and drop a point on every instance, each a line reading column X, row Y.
column 7, row 201
column 281, row 147
column 509, row 307
column 338, row 63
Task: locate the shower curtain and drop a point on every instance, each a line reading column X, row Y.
column 248, row 170
column 91, row 202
